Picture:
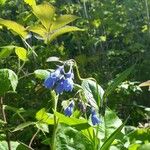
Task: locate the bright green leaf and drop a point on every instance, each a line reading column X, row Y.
column 45, row 117
column 61, row 31
column 79, row 124
column 21, row 53
column 45, row 13
column 30, row 2
column 14, row 26
column 62, row 21
column 144, row 147
column 42, row 126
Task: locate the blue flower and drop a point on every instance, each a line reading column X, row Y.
column 94, row 117
column 69, row 110
column 53, row 78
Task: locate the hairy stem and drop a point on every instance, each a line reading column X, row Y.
column 5, row 120
column 33, row 137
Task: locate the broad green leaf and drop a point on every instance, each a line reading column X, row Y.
column 144, row 147
column 41, row 73
column 45, row 117
column 62, row 21
column 117, row 81
column 21, row 53
column 68, row 138
column 6, row 51
column 30, row 2
column 110, row 122
column 7, row 79
column 4, row 145
column 45, row 13
column 39, row 30
column 23, row 125
column 61, row 31
column 93, row 92
column 79, row 124
column 112, row 137
column 42, row 126
column 14, row 26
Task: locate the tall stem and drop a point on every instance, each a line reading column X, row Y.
column 5, row 120
column 55, row 101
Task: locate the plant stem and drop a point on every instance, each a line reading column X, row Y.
column 55, row 100
column 5, row 120
column 33, row 137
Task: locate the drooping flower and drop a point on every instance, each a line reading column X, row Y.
column 95, row 119
column 69, row 110
column 54, row 77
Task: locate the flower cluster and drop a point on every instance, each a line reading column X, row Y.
column 69, row 110
column 59, row 80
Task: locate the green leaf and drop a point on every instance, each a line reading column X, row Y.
column 4, row 145
column 62, row 21
column 110, row 122
column 68, row 138
column 42, row 126
column 38, row 29
column 41, row 73
column 14, row 109
column 112, row 137
column 14, row 26
column 7, row 79
column 6, row 51
column 117, row 81
column 144, row 147
column 44, row 117
column 2, row 2
column 61, row 31
column 79, row 124
column 21, row 53
column 45, row 13
column 23, row 125
column 93, row 92
column 30, row 2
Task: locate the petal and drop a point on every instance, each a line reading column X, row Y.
column 49, row 82
column 95, row 120
column 68, row 111
column 68, row 84
column 60, row 87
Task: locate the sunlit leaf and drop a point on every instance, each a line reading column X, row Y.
column 42, row 126
column 14, row 26
column 7, row 79
column 30, row 2
column 45, row 13
column 39, row 30
column 147, row 83
column 79, row 124
column 144, row 147
column 93, row 92
column 112, row 137
column 61, row 31
column 21, row 53
column 62, row 21
column 44, row 117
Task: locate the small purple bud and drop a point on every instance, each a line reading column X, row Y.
column 69, row 110
column 95, row 119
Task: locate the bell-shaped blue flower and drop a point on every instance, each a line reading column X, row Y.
column 95, row 119
column 59, row 86
column 53, row 78
column 69, row 110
